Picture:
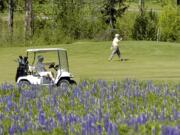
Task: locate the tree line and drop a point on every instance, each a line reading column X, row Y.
column 64, row 10
column 54, row 20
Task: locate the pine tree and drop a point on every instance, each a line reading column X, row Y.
column 111, row 10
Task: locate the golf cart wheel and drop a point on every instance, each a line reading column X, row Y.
column 73, row 83
column 63, row 83
column 24, row 85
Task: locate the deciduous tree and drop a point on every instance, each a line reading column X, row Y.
column 10, row 17
column 28, row 19
column 178, row 2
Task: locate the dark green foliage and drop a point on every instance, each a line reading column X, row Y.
column 140, row 27
column 125, row 25
column 152, row 28
column 77, row 20
column 145, row 26
column 64, row 21
column 111, row 11
column 169, row 23
column 68, row 15
column 1, row 5
column 178, row 2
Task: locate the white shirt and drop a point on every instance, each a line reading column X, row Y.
column 115, row 42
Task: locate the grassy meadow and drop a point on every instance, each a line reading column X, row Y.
column 89, row 60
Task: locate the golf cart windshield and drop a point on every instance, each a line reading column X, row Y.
column 64, row 61
column 55, row 55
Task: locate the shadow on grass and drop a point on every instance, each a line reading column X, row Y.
column 125, row 59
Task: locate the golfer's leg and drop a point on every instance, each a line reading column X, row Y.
column 112, row 54
column 119, row 53
column 50, row 75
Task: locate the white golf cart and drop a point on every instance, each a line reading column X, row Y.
column 56, row 61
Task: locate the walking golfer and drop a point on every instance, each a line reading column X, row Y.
column 115, row 47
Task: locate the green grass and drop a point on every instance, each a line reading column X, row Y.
column 89, row 60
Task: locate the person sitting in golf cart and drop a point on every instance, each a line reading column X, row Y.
column 40, row 68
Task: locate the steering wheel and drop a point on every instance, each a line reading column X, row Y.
column 56, row 67
column 52, row 65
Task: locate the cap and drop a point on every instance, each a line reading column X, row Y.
column 117, row 35
column 40, row 58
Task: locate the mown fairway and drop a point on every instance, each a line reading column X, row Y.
column 89, row 60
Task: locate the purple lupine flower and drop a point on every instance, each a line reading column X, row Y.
column 135, row 126
column 176, row 115
column 30, row 109
column 59, row 117
column 65, row 122
column 76, row 92
column 9, row 102
column 54, row 100
column 87, row 94
column 71, row 129
column 167, row 130
column 92, row 130
column 92, row 101
column 142, row 119
column 84, row 129
column 39, row 105
column 5, row 86
column 106, row 122
column 48, row 100
column 84, row 83
column 81, row 99
column 99, row 115
column 16, row 117
column 70, row 119
column 110, row 129
column 115, row 130
column 165, row 90
column 149, row 86
column 131, row 121
column 41, row 118
column 12, row 130
column 25, row 128
column 51, row 123
column 21, row 100
column 99, row 130
column 16, row 109
column 162, row 117
column 131, row 107
column 1, row 117
column 94, row 90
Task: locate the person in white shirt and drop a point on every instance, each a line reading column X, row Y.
column 115, row 47
column 40, row 68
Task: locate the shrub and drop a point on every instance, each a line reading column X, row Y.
column 145, row 26
column 169, row 24
column 125, row 25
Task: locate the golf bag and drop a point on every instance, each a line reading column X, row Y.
column 22, row 69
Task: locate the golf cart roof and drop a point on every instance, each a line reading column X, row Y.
column 45, row 49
